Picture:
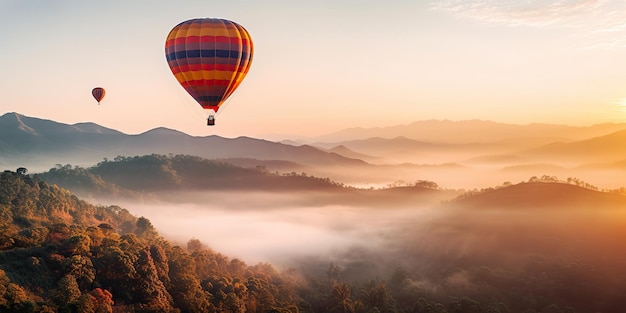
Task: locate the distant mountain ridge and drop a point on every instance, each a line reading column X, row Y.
column 602, row 148
column 25, row 141
column 472, row 131
column 504, row 144
column 454, row 154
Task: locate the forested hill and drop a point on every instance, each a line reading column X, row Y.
column 155, row 173
column 61, row 254
column 536, row 194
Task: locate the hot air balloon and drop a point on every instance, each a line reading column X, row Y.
column 98, row 93
column 210, row 58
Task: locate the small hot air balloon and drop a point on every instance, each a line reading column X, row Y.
column 98, row 93
column 210, row 58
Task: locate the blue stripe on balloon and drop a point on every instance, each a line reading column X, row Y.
column 233, row 54
column 209, row 98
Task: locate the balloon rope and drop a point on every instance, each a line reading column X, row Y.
column 191, row 107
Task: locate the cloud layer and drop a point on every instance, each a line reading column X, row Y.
column 598, row 23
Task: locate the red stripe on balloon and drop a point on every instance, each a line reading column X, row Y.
column 196, row 39
column 204, row 67
column 203, row 82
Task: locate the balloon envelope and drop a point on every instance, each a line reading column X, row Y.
column 98, row 93
column 209, row 57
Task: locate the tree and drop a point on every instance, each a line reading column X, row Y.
column 426, row 184
column 333, row 272
column 147, row 287
column 159, row 257
column 81, row 268
column 116, row 271
column 424, row 306
column 341, row 297
column 86, row 303
column 77, row 245
column 103, row 300
column 465, row 305
column 67, row 291
column 185, row 286
column 195, row 245
column 400, row 279
column 234, row 304
column 145, row 229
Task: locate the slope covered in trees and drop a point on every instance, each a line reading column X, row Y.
column 59, row 253
column 183, row 177
column 155, row 173
column 541, row 194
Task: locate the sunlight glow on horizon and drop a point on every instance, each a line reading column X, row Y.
column 322, row 67
column 622, row 103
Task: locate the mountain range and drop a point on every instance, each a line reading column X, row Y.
column 475, row 131
column 464, row 154
column 529, row 245
column 40, row 144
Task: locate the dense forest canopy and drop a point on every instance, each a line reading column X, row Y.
column 178, row 178
column 59, row 253
column 155, row 172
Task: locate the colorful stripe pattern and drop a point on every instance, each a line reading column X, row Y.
column 209, row 57
column 98, row 93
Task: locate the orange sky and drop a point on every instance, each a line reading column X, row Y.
column 324, row 65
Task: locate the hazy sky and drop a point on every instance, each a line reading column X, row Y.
column 320, row 66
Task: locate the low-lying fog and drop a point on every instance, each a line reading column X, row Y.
column 256, row 227
column 273, row 228
column 471, row 176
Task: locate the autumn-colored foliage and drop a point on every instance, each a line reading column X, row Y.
column 61, row 254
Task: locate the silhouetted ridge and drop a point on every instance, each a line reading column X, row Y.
column 541, row 195
column 464, row 131
column 30, row 142
column 604, row 148
column 95, row 128
column 153, row 173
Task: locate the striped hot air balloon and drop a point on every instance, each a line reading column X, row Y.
column 210, row 58
column 98, row 93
